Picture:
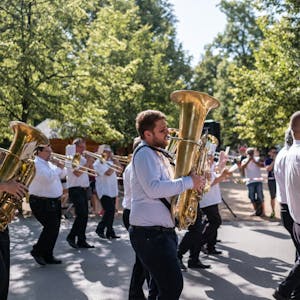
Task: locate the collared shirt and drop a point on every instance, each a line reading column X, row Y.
column 213, row 196
column 279, row 173
column 252, row 171
column 106, row 185
column 126, row 203
column 46, row 182
column 151, row 180
column 292, row 180
column 77, row 181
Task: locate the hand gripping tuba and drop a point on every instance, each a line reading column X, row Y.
column 194, row 106
column 18, row 164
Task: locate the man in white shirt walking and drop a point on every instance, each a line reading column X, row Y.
column 279, row 173
column 107, row 191
column 45, row 192
column 152, row 232
column 78, row 183
column 290, row 287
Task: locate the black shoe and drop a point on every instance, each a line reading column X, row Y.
column 53, row 261
column 197, row 265
column 213, row 252
column 39, row 259
column 278, row 296
column 112, row 236
column 72, row 242
column 182, row 265
column 84, row 245
column 101, row 234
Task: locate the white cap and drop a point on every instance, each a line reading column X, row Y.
column 102, row 148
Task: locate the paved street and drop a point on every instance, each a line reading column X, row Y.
column 257, row 254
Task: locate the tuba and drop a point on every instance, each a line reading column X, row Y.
column 18, row 164
column 194, row 106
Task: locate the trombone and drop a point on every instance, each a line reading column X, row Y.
column 123, row 159
column 116, row 168
column 74, row 161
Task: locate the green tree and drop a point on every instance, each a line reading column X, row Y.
column 269, row 94
column 35, row 60
column 123, row 69
column 233, row 47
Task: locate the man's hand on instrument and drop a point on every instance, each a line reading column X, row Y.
column 15, row 188
column 198, row 181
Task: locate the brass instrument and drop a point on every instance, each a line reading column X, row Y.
column 194, row 106
column 18, row 164
column 102, row 159
column 201, row 163
column 123, row 159
column 73, row 161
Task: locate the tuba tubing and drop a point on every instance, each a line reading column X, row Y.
column 194, row 107
column 18, row 164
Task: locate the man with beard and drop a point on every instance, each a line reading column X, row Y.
column 152, row 232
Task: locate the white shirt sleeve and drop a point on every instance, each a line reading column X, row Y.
column 150, row 172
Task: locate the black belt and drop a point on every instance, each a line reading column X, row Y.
column 157, row 228
column 44, row 198
column 78, row 188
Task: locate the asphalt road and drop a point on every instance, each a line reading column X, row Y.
column 257, row 254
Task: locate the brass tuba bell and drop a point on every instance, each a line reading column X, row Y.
column 18, row 164
column 194, row 107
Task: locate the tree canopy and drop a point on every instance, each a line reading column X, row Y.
column 92, row 65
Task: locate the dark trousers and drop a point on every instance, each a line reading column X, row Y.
column 214, row 221
column 139, row 273
column 126, row 213
column 287, row 222
column 291, row 284
column 157, row 250
column 109, row 206
column 48, row 212
column 78, row 196
column 4, row 264
column 193, row 239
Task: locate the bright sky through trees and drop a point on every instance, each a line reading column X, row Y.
column 199, row 21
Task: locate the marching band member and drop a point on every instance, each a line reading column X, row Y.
column 45, row 193
column 18, row 190
column 289, row 288
column 78, row 182
column 279, row 173
column 209, row 204
column 152, row 232
column 139, row 273
column 107, row 191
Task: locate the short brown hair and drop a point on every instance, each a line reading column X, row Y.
column 146, row 119
column 295, row 122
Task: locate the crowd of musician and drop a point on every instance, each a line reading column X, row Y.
column 93, row 183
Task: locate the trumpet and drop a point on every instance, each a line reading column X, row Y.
column 123, row 159
column 116, row 168
column 74, row 161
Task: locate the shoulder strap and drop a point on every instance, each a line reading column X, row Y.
column 163, row 200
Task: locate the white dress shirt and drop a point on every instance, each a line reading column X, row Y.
column 213, row 196
column 106, row 185
column 46, row 182
column 292, row 180
column 151, row 180
column 279, row 173
column 77, row 181
column 126, row 203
